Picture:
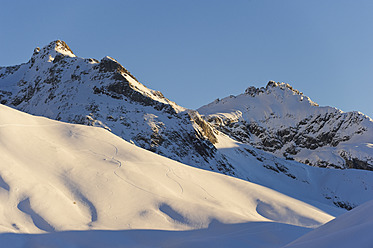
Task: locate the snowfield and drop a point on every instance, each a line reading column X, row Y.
column 62, row 182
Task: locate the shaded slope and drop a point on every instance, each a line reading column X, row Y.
column 217, row 235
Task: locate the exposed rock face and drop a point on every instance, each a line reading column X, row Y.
column 281, row 120
column 58, row 85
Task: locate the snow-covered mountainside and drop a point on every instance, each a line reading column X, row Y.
column 60, row 182
column 67, row 185
column 324, row 187
column 58, row 85
column 283, row 121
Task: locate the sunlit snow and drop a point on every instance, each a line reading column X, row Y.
column 58, row 179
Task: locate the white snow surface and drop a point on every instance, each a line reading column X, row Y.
column 325, row 187
column 352, row 229
column 65, row 185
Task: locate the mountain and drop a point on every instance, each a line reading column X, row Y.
column 237, row 136
column 68, row 185
column 281, row 120
column 56, row 84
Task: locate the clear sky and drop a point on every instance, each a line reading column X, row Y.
column 198, row 50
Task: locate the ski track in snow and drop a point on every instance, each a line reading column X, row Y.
column 206, row 191
column 171, row 170
column 120, row 165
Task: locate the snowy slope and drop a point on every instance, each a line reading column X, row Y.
column 281, row 120
column 324, row 187
column 72, row 181
column 352, row 229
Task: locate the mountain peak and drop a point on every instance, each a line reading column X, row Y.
column 253, row 91
column 52, row 50
column 60, row 47
column 282, row 86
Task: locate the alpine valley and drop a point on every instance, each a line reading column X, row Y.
column 90, row 157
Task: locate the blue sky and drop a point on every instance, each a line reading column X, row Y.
column 198, row 50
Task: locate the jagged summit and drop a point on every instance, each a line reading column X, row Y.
column 252, row 90
column 59, row 46
column 274, row 95
column 283, row 86
column 278, row 89
column 53, row 49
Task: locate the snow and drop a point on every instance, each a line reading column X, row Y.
column 61, row 182
column 256, row 234
column 64, row 185
column 352, row 229
column 325, row 187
